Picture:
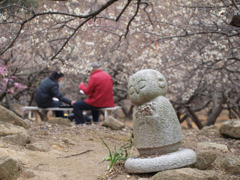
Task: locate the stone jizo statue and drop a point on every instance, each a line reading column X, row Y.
column 156, row 127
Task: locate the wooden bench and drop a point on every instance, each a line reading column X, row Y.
column 34, row 111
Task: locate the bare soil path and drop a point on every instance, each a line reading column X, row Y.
column 77, row 152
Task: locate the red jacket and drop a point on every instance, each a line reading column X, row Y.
column 99, row 89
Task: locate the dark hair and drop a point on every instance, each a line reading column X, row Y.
column 56, row 75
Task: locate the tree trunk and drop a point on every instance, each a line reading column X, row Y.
column 213, row 117
column 9, row 103
column 216, row 111
column 189, row 124
column 194, row 118
column 127, row 113
column 181, row 120
column 2, row 96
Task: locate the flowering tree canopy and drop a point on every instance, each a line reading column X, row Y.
column 195, row 44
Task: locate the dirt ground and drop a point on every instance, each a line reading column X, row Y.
column 77, row 152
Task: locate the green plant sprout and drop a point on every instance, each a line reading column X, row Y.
column 116, row 156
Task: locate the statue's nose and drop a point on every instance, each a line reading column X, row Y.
column 136, row 90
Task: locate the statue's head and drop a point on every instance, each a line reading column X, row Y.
column 145, row 85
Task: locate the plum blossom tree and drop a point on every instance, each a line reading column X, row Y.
column 9, row 85
column 195, row 44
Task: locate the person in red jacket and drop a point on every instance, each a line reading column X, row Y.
column 100, row 94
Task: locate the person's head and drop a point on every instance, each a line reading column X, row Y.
column 57, row 76
column 93, row 67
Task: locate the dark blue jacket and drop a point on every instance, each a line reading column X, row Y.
column 46, row 91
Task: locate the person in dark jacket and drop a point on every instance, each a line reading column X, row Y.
column 100, row 94
column 49, row 90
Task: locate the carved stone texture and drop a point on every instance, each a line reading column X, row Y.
column 156, row 127
column 172, row 160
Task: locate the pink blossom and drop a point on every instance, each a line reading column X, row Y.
column 11, row 91
column 2, row 70
column 20, row 86
column 5, row 80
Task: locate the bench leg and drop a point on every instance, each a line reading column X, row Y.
column 110, row 112
column 105, row 114
column 29, row 114
column 115, row 113
column 32, row 114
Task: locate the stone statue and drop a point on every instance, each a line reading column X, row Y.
column 156, row 127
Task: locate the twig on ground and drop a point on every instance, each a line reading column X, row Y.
column 76, row 154
column 38, row 166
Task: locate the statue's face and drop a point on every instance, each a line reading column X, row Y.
column 145, row 85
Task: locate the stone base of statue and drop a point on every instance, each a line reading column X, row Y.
column 178, row 159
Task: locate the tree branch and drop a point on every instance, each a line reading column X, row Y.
column 68, row 39
column 135, row 14
column 235, row 4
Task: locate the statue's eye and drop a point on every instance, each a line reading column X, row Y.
column 141, row 84
column 131, row 90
